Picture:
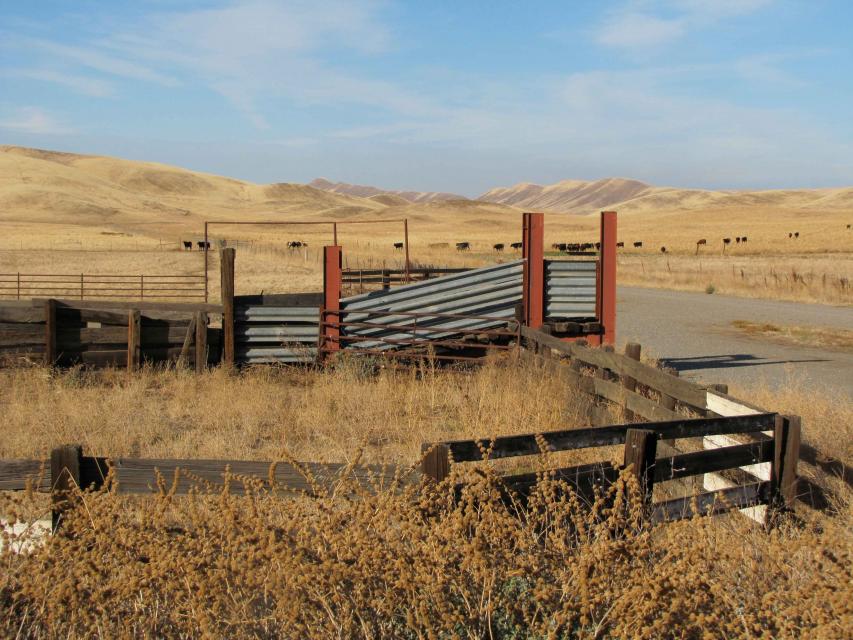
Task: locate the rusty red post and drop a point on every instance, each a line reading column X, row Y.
column 533, row 252
column 606, row 298
column 331, row 299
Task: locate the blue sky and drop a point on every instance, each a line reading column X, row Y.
column 450, row 96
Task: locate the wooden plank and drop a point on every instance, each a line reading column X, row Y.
column 13, row 334
column 64, row 478
column 118, row 357
column 134, row 340
column 140, row 476
column 50, row 332
column 435, row 465
column 150, row 308
column 227, row 293
column 21, row 313
column 527, row 444
column 737, row 497
column 15, row 473
column 87, row 339
column 681, row 465
column 786, row 453
column 581, row 478
column 188, row 340
column 660, row 381
column 201, row 341
column 311, row 299
column 633, row 351
column 639, row 459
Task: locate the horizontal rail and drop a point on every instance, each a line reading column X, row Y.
column 709, row 503
column 412, row 314
column 709, row 461
column 564, row 440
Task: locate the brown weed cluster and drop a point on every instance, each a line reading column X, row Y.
column 417, row 564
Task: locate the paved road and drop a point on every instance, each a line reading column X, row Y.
column 692, row 333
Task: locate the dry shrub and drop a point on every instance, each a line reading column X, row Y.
column 416, row 564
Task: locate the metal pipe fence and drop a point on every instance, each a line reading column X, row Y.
column 105, row 286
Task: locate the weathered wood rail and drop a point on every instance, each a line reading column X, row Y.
column 640, row 458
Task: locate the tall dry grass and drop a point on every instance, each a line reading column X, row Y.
column 394, row 564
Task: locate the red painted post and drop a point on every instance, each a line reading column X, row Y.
column 533, row 279
column 606, row 299
column 331, row 298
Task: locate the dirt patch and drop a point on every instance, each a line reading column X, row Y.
column 824, row 337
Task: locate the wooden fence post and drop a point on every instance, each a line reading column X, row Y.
column 50, row 332
column 533, row 275
column 200, row 341
column 183, row 358
column 606, row 302
column 64, row 479
column 436, row 462
column 640, row 452
column 227, row 283
column 330, row 337
column 632, row 350
column 786, row 452
column 134, row 339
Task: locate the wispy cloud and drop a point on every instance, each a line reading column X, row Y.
column 33, row 120
column 655, row 23
column 85, row 85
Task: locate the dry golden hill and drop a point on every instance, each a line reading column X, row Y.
column 578, row 196
column 365, row 191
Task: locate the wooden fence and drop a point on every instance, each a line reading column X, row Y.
column 102, row 286
column 100, row 333
column 640, row 458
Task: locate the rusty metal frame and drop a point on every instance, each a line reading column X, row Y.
column 533, row 278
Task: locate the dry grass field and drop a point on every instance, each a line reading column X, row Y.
column 391, row 565
column 64, row 213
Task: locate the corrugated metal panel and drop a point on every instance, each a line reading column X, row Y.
column 268, row 334
column 492, row 291
column 570, row 289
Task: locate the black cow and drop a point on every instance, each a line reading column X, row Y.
column 796, row 234
column 203, row 246
column 727, row 240
column 638, row 245
column 463, row 246
column 398, row 246
column 737, row 240
column 575, row 246
column 296, row 244
column 188, row 245
column 620, row 245
column 663, row 249
column 518, row 245
column 498, row 247
column 702, row 241
column 598, row 246
column 743, row 239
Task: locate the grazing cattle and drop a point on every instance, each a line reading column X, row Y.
column 517, row 245
column 598, row 246
column 743, row 239
column 203, row 246
column 498, row 247
column 556, row 246
column 638, row 245
column 700, row 242
column 790, row 235
column 737, row 240
column 849, row 226
column 463, row 246
column 663, row 249
column 398, row 246
column 188, row 245
column 796, row 234
column 619, row 245
column 727, row 240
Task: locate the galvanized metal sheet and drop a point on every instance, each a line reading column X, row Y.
column 492, row 291
column 570, row 289
column 263, row 333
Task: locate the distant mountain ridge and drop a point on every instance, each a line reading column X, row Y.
column 568, row 195
column 366, row 191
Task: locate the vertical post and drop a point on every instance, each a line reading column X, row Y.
column 205, row 262
column 81, row 286
column 331, row 299
column 200, row 341
column 786, row 452
column 64, row 479
column 606, row 299
column 406, row 245
column 640, row 452
column 533, row 252
column 386, row 279
column 435, row 466
column 226, row 259
column 50, row 332
column 134, row 339
column 335, row 233
column 633, row 351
